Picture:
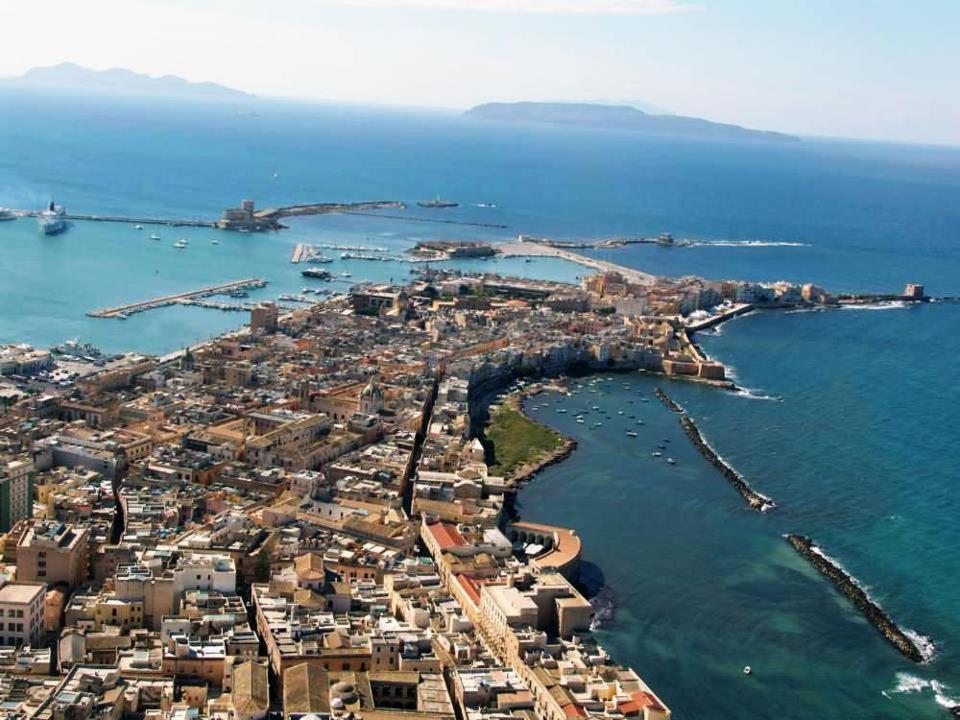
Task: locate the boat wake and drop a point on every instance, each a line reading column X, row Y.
column 746, row 243
column 751, row 394
column 907, row 684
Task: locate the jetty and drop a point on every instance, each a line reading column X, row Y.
column 123, row 311
column 525, row 248
column 754, row 499
column 848, row 585
column 131, row 220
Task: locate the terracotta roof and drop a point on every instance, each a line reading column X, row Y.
column 446, row 536
column 470, row 587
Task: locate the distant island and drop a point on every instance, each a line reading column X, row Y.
column 618, row 117
column 70, row 76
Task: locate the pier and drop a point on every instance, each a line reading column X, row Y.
column 533, row 249
column 847, row 585
column 123, row 311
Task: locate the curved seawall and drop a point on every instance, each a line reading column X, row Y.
column 754, row 499
column 846, row 584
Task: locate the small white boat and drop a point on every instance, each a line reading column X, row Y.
column 180, row 244
column 619, row 412
column 561, row 410
column 346, row 274
column 214, row 242
column 747, row 670
column 598, row 424
column 639, row 422
column 580, row 420
column 139, row 227
column 631, row 433
column 671, row 461
column 656, row 453
column 154, row 236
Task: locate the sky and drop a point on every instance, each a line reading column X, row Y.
column 871, row 69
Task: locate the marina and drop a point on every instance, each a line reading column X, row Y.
column 123, row 311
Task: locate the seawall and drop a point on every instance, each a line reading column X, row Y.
column 754, row 499
column 847, row 585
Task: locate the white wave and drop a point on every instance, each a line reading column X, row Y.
column 923, row 643
column 892, row 305
column 908, row 684
column 746, row 243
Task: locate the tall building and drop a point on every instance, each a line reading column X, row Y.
column 21, row 613
column 264, row 317
column 16, row 490
column 54, row 553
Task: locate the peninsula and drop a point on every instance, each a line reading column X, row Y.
column 119, row 81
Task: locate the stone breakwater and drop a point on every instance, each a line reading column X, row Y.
column 847, row 585
column 754, row 499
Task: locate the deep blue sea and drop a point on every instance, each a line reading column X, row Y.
column 849, row 425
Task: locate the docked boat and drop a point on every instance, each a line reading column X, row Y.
column 437, row 203
column 7, row 214
column 665, row 239
column 52, row 221
column 317, row 274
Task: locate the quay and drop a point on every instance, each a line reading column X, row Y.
column 123, row 311
column 298, row 253
column 848, row 585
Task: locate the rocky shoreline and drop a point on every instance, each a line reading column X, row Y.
column 531, row 469
column 849, row 587
column 754, row 499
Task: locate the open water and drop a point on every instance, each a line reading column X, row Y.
column 857, row 445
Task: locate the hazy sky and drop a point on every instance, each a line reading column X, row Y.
column 884, row 69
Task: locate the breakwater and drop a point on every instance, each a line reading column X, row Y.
column 848, row 585
column 427, row 220
column 668, row 401
column 754, row 499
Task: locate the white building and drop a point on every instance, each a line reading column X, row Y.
column 205, row 572
column 21, row 613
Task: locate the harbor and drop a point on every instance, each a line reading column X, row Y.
column 233, row 287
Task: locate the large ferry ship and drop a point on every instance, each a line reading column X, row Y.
column 437, row 202
column 51, row 220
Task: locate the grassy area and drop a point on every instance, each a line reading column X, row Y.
column 513, row 440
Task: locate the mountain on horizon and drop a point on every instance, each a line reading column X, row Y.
column 70, row 76
column 618, row 117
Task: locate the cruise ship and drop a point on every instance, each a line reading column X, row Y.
column 437, row 203
column 51, row 220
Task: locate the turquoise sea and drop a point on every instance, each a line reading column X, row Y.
column 848, row 425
